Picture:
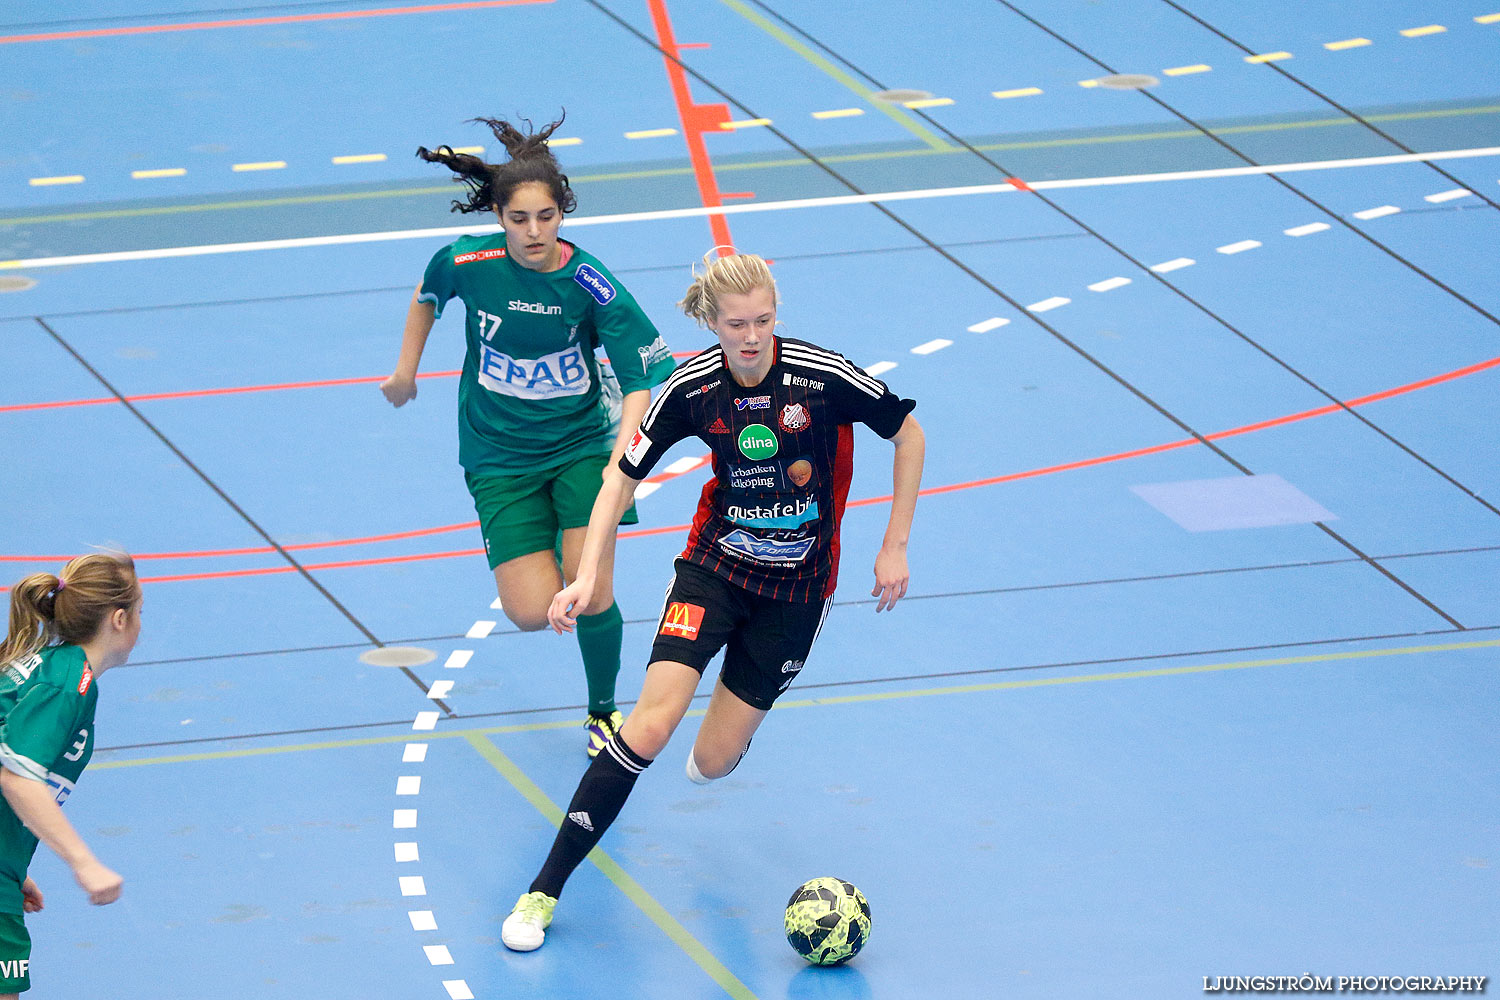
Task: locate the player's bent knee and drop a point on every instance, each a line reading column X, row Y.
column 647, row 733
column 527, row 622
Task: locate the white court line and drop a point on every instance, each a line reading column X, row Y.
column 931, row 346
column 404, row 819
column 422, row 920
column 646, row 489
column 407, row 851
column 439, row 689
column 414, row 753
column 409, row 784
column 682, row 465
column 458, row 989
column 479, row 630
column 438, row 954
column 412, row 885
column 458, row 659
column 879, row 368
column 1376, row 213
column 1109, row 284
column 1442, row 196
column 425, row 720
column 496, row 605
column 1307, row 230
column 1047, row 305
column 984, row 326
column 739, row 209
column 1240, row 247
column 1176, row 264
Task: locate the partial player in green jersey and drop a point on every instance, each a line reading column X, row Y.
column 64, row 632
column 539, row 419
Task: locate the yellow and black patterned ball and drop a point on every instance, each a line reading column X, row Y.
column 827, row 921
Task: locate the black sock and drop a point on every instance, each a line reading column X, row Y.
column 601, row 794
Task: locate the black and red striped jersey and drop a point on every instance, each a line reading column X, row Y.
column 782, row 455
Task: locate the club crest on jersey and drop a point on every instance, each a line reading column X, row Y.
column 794, row 418
column 771, row 550
column 468, row 258
column 595, row 284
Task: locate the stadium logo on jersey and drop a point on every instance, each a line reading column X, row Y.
column 653, row 352
column 517, row 306
column 799, row 381
column 757, row 442
column 595, row 284
column 770, row 550
column 682, row 620
column 466, row 258
column 547, row 377
column 718, row 426
column 777, row 514
column 794, row 418
column 753, row 403
column 637, row 448
column 88, row 678
column 701, row 390
column 755, row 477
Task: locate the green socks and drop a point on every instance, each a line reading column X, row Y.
column 599, row 638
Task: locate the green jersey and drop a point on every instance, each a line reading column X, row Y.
column 46, row 734
column 529, row 397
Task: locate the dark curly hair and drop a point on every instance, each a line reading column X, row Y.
column 492, row 184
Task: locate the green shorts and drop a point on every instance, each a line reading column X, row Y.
column 15, row 954
column 519, row 515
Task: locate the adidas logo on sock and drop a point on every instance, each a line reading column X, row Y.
column 582, row 819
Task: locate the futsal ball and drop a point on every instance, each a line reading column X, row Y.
column 827, row 921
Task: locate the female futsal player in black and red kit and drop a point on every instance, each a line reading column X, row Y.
column 762, row 557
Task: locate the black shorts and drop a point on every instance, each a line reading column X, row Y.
column 767, row 641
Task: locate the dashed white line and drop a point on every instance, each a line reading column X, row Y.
column 838, row 113
column 496, row 605
column 458, row 659
column 931, row 346
column 1047, row 305
column 1240, row 247
column 879, row 368
column 985, row 326
column 1376, row 213
column 422, row 920
column 1266, row 57
column 1307, row 230
column 687, row 464
column 438, row 954
column 414, row 753
column 1018, row 92
column 458, row 989
column 439, row 689
column 1442, row 196
column 651, row 133
column 360, row 158
column 1109, row 284
column 407, row 851
column 142, row 175
column 747, row 123
column 646, row 489
column 1176, row 264
column 425, row 720
column 412, row 885
column 479, row 630
column 928, row 102
column 240, row 168
column 409, row 784
column 49, row 181
column 404, row 819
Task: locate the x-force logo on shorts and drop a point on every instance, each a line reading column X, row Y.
column 465, row 258
column 595, row 284
column 769, row 550
column 757, row 442
column 682, row 620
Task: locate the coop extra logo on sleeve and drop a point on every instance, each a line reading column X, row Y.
column 595, row 284
column 561, row 374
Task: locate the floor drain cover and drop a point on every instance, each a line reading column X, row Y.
column 11, row 283
column 1128, row 81
column 901, row 96
column 397, row 656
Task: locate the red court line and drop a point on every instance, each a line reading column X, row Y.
column 1120, row 456
column 254, row 22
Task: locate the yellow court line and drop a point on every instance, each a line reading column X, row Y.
column 632, row 889
column 1187, row 70
column 929, row 102
column 49, row 181
column 1430, row 29
column 747, row 123
column 1348, row 43
column 838, row 113
column 469, row 150
column 651, row 133
column 1487, row 19
column 1018, row 92
column 569, row 141
column 264, row 165
column 1088, row 83
column 165, row 172
column 869, row 696
column 1266, row 57
column 360, row 158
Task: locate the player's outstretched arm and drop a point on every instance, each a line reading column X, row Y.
column 34, row 804
column 614, row 497
column 891, row 571
column 401, row 387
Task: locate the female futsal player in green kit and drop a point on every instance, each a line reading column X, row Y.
column 64, row 632
column 535, row 432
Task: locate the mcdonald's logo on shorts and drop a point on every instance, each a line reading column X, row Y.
column 682, row 620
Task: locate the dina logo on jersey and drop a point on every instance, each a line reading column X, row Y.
column 595, row 284
column 757, row 442
column 771, row 550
